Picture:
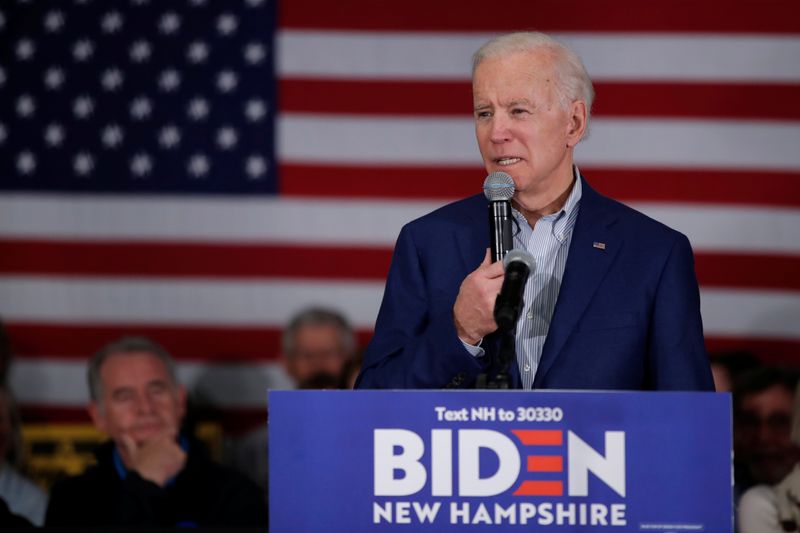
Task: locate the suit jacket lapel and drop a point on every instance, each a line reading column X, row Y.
column 585, row 269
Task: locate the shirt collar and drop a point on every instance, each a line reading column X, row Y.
column 563, row 219
column 122, row 471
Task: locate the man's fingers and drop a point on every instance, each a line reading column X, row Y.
column 487, row 257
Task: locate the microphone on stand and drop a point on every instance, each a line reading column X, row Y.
column 519, row 266
column 498, row 189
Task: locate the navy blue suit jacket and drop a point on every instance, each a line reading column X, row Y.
column 627, row 316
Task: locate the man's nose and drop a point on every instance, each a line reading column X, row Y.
column 500, row 131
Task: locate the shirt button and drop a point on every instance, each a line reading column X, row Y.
column 527, row 368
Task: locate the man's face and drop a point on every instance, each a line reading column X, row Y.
column 522, row 127
column 317, row 349
column 138, row 398
column 6, row 431
column 764, row 434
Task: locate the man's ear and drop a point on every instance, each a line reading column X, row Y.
column 97, row 416
column 578, row 117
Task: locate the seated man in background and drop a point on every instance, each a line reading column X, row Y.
column 149, row 473
column 316, row 345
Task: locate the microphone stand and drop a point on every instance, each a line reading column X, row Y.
column 508, row 354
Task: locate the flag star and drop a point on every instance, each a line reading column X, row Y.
column 83, row 106
column 25, row 49
column 198, row 108
column 197, row 52
column 227, row 80
column 3, row 133
column 112, row 79
column 141, row 108
column 83, row 50
column 255, row 110
column 169, row 80
column 254, row 53
column 141, row 164
column 83, row 163
column 54, row 134
column 2, row 76
column 169, row 23
column 140, row 51
column 198, row 165
column 139, row 2
column 112, row 136
column 2, row 20
column 54, row 21
column 227, row 24
column 197, row 3
column 53, row 78
column 254, row 3
column 227, row 137
column 26, row 162
column 169, row 137
column 111, row 22
column 25, row 105
column 255, row 166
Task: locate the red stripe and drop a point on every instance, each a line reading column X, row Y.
column 29, row 257
column 189, row 260
column 540, row 488
column 545, row 463
column 222, row 344
column 769, row 351
column 629, row 99
column 737, row 187
column 539, row 437
column 763, row 271
column 737, row 16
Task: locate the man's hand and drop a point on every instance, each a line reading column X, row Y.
column 157, row 459
column 473, row 311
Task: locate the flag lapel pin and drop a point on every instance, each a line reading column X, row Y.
column 599, row 245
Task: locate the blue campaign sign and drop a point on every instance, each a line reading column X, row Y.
column 500, row 461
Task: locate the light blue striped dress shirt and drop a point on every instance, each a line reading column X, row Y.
column 548, row 243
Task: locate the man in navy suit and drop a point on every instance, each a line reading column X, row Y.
column 613, row 302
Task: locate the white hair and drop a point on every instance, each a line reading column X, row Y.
column 572, row 80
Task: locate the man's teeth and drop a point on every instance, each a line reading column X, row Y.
column 507, row 161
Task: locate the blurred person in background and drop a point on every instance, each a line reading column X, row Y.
column 149, row 473
column 22, row 496
column 764, row 452
column 316, row 345
column 773, row 508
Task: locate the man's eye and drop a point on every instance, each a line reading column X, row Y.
column 483, row 114
column 519, row 111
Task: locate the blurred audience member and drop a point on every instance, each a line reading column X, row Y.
column 149, row 473
column 22, row 496
column 727, row 366
column 350, row 372
column 762, row 408
column 775, row 508
column 316, row 345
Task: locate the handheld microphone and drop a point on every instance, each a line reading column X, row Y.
column 498, row 189
column 519, row 266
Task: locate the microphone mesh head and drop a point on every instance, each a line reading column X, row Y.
column 522, row 256
column 498, row 186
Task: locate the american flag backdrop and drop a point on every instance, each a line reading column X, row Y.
column 200, row 170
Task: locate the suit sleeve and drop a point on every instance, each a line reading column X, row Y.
column 678, row 359
column 415, row 343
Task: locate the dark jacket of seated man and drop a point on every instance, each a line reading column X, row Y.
column 204, row 493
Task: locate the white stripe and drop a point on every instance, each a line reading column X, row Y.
column 610, row 56
column 63, row 382
column 271, row 304
column 181, row 302
column 239, row 220
column 733, row 144
column 338, row 222
column 731, row 228
column 751, row 313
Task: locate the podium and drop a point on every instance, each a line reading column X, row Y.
column 500, row 461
